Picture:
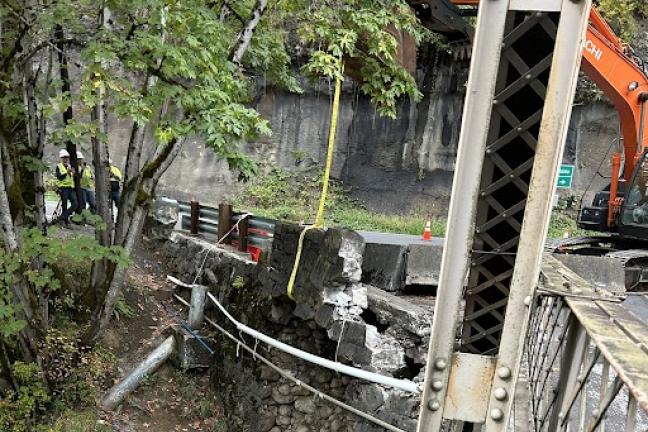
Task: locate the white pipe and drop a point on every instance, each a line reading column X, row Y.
column 288, row 375
column 404, row 385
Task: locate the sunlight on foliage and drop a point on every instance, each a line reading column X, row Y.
column 623, row 15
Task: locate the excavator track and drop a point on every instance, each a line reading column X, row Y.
column 625, row 262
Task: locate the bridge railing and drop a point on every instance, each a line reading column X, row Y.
column 586, row 359
column 250, row 234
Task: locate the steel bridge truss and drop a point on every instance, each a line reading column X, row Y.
column 525, row 63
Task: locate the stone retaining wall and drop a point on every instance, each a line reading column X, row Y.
column 333, row 314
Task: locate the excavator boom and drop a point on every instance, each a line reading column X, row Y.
column 607, row 62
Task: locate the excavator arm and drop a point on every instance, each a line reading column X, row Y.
column 624, row 82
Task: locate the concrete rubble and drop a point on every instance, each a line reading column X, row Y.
column 401, row 267
column 333, row 314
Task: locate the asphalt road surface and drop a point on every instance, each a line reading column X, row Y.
column 398, row 239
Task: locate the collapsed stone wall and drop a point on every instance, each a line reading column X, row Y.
column 333, row 315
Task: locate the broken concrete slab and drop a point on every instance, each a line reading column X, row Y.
column 383, row 266
column 189, row 352
column 423, row 264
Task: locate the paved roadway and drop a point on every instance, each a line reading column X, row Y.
column 638, row 305
column 398, row 239
column 50, row 207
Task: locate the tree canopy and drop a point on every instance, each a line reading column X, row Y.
column 172, row 69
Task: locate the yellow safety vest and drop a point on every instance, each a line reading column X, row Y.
column 87, row 179
column 68, row 181
column 115, row 174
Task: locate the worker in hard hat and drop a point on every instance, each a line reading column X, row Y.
column 65, row 185
column 116, row 178
column 87, row 184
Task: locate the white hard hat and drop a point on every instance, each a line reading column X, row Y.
column 63, row 153
column 80, row 155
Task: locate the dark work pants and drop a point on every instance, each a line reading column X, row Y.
column 114, row 196
column 89, row 198
column 68, row 196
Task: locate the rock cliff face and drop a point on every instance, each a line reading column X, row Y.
column 390, row 165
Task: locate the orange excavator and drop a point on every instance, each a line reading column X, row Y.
column 622, row 207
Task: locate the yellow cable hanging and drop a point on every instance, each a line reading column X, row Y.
column 319, row 219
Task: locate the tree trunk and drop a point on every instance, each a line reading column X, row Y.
column 152, row 171
column 101, row 166
column 6, row 223
column 68, row 114
column 246, row 34
column 19, row 287
column 119, row 274
column 35, row 126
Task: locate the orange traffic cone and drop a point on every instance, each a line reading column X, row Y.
column 427, row 231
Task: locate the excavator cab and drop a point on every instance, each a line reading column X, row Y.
column 632, row 220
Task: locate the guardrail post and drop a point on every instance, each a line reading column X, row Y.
column 197, row 307
column 195, row 215
column 243, row 226
column 224, row 222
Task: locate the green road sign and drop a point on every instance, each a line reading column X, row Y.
column 565, row 176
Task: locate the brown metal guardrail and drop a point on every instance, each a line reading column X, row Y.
column 215, row 222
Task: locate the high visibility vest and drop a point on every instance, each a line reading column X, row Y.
column 68, row 181
column 115, row 174
column 87, row 179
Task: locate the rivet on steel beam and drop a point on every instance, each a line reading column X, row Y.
column 596, row 412
column 504, row 372
column 527, row 300
column 489, row 151
column 434, row 405
column 577, row 290
column 497, row 414
column 482, row 194
column 500, row 393
column 477, row 230
column 519, row 129
column 440, row 364
column 437, row 385
column 504, row 214
column 495, row 101
column 539, row 14
column 528, row 76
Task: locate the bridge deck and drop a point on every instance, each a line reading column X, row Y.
column 618, row 333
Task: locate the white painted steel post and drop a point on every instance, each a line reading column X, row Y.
column 551, row 141
column 484, row 68
column 121, row 390
column 197, row 308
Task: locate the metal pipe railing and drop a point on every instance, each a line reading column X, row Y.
column 586, row 367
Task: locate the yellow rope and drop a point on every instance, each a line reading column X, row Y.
column 319, row 219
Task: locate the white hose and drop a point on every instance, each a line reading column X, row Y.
column 284, row 373
column 405, row 385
